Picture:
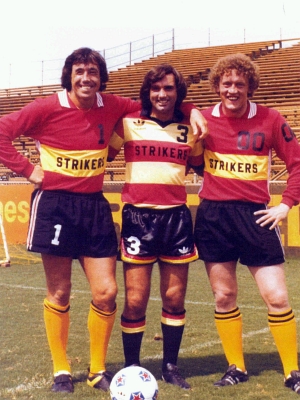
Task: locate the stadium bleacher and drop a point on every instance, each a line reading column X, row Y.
column 279, row 88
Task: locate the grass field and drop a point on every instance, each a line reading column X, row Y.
column 25, row 364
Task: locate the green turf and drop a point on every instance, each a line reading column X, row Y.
column 25, row 362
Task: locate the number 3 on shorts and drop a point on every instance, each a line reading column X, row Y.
column 135, row 243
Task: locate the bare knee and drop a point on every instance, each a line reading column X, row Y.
column 60, row 295
column 277, row 300
column 225, row 300
column 105, row 299
column 135, row 305
column 173, row 299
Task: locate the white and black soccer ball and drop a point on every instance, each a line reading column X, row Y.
column 133, row 383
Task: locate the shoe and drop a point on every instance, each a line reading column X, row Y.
column 63, row 383
column 233, row 376
column 293, row 382
column 101, row 380
column 171, row 375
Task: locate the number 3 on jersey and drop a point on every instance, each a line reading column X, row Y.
column 134, row 247
column 183, row 138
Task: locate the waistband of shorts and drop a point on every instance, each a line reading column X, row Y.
column 155, row 210
column 236, row 203
column 94, row 195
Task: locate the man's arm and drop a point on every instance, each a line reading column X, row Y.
column 23, row 122
column 37, row 176
column 116, row 141
column 287, row 148
column 197, row 121
column 196, row 158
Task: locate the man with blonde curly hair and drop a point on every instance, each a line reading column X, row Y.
column 233, row 221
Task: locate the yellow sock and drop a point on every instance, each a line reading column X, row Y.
column 284, row 331
column 229, row 326
column 57, row 321
column 100, row 325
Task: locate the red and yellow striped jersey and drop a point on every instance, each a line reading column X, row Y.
column 72, row 142
column 156, row 157
column 238, row 155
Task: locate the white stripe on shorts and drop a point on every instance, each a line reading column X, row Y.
column 33, row 215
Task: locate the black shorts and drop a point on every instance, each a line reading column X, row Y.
column 148, row 235
column 71, row 225
column 227, row 231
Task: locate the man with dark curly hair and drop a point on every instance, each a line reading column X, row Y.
column 156, row 223
column 233, row 221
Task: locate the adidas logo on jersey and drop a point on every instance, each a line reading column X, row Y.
column 139, row 122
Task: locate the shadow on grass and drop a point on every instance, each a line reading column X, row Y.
column 216, row 364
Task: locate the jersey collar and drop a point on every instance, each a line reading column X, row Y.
column 252, row 110
column 64, row 99
column 177, row 117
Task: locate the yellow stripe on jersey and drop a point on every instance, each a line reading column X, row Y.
column 233, row 166
column 74, row 163
column 138, row 129
column 160, row 172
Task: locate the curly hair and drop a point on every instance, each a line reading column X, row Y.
column 84, row 55
column 156, row 74
column 240, row 62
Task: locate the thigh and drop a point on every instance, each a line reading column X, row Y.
column 272, row 286
column 137, row 280
column 58, row 272
column 223, row 281
column 101, row 275
column 173, row 284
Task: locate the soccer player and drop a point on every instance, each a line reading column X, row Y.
column 156, row 223
column 70, row 218
column 233, row 221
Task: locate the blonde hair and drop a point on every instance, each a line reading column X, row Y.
column 240, row 62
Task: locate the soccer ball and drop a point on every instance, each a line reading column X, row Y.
column 133, row 383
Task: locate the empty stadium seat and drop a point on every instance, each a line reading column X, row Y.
column 279, row 88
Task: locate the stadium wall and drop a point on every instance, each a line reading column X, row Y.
column 15, row 206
